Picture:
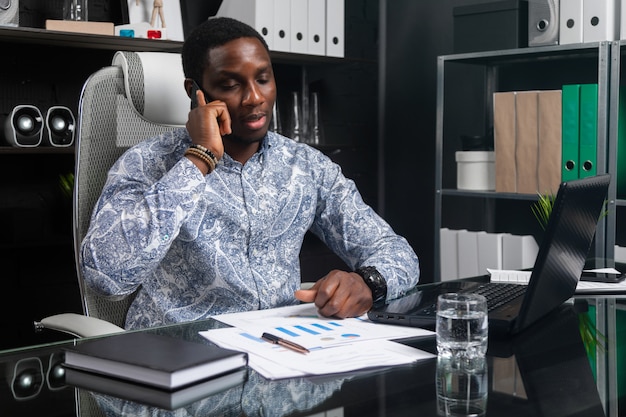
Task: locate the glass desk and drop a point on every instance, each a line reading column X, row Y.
column 544, row 371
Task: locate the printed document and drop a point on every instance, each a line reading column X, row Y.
column 335, row 345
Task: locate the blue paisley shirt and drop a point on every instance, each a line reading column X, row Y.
column 197, row 245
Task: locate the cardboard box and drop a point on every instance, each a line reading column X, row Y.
column 96, row 28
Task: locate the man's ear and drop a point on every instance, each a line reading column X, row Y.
column 188, row 84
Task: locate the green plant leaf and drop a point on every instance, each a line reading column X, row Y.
column 592, row 338
column 542, row 208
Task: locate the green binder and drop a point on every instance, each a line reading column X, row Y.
column 588, row 148
column 570, row 131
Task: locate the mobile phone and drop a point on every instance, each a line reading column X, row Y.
column 602, row 277
column 194, row 96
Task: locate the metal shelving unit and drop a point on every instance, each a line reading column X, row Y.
column 542, row 67
column 617, row 52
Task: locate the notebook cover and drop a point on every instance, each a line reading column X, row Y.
column 153, row 359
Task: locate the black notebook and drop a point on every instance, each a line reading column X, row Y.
column 155, row 397
column 558, row 267
column 156, row 360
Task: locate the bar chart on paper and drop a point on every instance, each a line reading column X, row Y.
column 301, row 324
column 334, row 345
column 313, row 335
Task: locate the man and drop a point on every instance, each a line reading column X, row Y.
column 210, row 219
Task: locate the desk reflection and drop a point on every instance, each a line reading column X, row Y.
column 544, row 371
column 461, row 387
column 257, row 397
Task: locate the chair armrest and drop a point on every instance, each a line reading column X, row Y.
column 78, row 325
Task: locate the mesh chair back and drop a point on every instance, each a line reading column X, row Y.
column 108, row 125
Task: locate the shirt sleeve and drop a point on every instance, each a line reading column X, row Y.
column 141, row 209
column 358, row 235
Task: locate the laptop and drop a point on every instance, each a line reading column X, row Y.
column 558, row 267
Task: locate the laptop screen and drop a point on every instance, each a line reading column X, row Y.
column 564, row 246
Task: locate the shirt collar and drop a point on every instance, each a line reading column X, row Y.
column 266, row 143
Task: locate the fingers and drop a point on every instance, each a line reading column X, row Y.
column 224, row 121
column 339, row 294
column 306, row 296
column 208, row 123
column 200, row 97
column 221, row 114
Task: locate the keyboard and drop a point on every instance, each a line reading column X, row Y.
column 498, row 294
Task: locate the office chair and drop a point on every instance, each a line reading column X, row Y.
column 139, row 96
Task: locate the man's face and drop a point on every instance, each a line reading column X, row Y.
column 240, row 74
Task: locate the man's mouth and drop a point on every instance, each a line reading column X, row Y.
column 255, row 121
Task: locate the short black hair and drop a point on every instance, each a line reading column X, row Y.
column 212, row 33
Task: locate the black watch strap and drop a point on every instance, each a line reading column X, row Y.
column 375, row 282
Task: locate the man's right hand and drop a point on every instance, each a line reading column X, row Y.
column 207, row 123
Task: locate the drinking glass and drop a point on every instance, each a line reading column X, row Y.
column 315, row 129
column 295, row 130
column 75, row 10
column 461, row 328
column 275, row 124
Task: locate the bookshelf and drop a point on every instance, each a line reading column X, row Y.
column 465, row 86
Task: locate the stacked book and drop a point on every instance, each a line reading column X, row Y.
column 153, row 369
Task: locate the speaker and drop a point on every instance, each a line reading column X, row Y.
column 27, row 379
column 543, row 22
column 55, row 377
column 60, row 127
column 9, row 12
column 23, row 127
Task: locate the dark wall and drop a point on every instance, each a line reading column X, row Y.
column 416, row 33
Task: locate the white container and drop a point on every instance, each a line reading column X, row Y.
column 475, row 170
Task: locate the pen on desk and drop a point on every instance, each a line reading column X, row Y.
column 284, row 343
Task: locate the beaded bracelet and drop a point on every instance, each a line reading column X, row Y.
column 205, row 150
column 203, row 156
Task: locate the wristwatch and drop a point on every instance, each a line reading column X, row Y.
column 375, row 282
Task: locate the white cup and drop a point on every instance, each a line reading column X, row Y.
column 461, row 326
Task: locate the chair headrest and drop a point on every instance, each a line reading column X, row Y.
column 154, row 83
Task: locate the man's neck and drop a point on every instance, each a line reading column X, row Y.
column 240, row 151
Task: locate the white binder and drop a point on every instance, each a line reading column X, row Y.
column 282, row 25
column 257, row 13
column 519, row 251
column 335, row 30
column 317, row 27
column 448, row 254
column 467, row 242
column 601, row 22
column 571, row 22
column 299, row 26
column 489, row 251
